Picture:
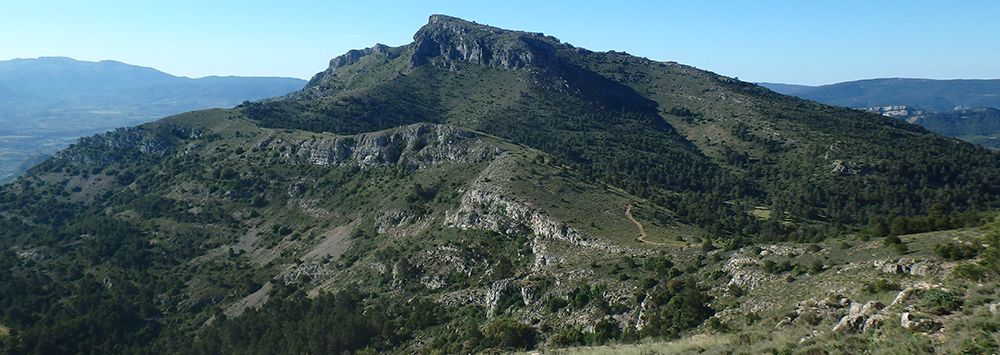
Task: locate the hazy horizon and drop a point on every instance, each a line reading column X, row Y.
column 773, row 41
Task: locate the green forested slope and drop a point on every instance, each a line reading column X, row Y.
column 483, row 190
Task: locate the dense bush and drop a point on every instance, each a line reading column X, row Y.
column 941, row 302
column 879, row 286
column 510, row 334
column 676, row 307
column 956, row 251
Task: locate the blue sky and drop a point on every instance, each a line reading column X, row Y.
column 808, row 42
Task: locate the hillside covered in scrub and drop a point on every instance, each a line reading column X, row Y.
column 483, row 190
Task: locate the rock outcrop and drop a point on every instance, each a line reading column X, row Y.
column 910, row 321
column 110, row 144
column 415, row 146
column 903, row 296
column 860, row 317
column 446, row 40
column 493, row 295
column 352, row 56
column 813, row 311
column 906, row 266
column 488, row 207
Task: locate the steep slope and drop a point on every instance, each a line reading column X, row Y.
column 205, row 216
column 516, row 85
column 691, row 140
column 46, row 103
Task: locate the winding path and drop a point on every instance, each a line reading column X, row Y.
column 642, row 230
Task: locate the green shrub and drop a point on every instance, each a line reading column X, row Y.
column 554, row 304
column 605, row 330
column 676, row 308
column 941, row 302
column 508, row 333
column 571, row 336
column 973, row 272
column 777, row 268
column 956, row 251
column 892, row 240
column 879, row 286
column 816, row 267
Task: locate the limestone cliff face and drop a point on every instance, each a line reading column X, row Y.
column 445, row 40
column 352, row 57
column 415, row 146
column 487, row 205
column 124, row 140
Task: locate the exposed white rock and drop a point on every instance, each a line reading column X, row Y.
column 493, row 295
column 858, row 316
column 904, row 295
column 910, row 321
column 818, row 309
column 874, row 322
column 485, row 205
column 417, row 145
column 906, row 266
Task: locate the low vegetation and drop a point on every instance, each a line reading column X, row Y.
column 410, row 204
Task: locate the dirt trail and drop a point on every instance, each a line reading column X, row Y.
column 642, row 230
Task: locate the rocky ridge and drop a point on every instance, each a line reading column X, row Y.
column 416, row 146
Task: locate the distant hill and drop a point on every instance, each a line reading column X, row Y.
column 48, row 102
column 963, row 109
column 928, row 94
column 980, row 126
column 787, row 89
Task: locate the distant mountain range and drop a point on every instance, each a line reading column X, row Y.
column 964, row 109
column 934, row 95
column 48, row 102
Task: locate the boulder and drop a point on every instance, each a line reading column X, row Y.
column 857, row 316
column 874, row 322
column 906, row 266
column 910, row 321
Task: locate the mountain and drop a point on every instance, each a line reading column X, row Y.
column 964, row 109
column 656, row 129
column 980, row 126
column 928, row 94
column 787, row 89
column 486, row 190
column 48, row 102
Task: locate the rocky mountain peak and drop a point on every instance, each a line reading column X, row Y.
column 447, row 40
column 352, row 56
